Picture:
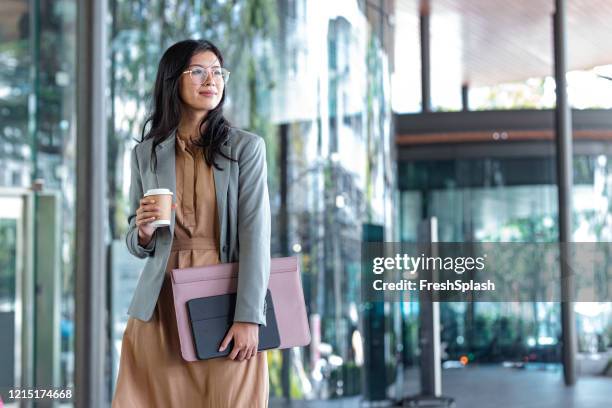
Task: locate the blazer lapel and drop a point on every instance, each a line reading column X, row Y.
column 221, row 184
column 166, row 171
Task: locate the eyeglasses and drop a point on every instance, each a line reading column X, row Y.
column 199, row 74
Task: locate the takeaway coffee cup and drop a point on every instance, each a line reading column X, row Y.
column 163, row 198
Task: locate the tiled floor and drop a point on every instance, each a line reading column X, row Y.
column 498, row 387
column 492, row 387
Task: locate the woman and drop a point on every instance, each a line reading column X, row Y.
column 221, row 213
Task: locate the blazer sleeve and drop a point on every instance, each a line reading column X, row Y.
column 131, row 238
column 253, row 233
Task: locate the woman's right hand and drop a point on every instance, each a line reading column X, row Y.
column 147, row 212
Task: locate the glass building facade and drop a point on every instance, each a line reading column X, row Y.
column 37, row 192
column 314, row 82
column 311, row 82
column 510, row 199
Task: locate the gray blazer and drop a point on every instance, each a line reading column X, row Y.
column 244, row 218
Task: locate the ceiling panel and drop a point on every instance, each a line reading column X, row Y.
column 496, row 41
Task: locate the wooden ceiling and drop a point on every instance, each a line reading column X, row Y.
column 489, row 42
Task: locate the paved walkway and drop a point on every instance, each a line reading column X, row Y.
column 498, row 387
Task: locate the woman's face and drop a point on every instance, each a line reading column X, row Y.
column 201, row 90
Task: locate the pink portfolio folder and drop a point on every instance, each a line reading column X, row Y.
column 285, row 286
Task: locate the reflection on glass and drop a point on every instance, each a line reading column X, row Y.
column 488, row 200
column 9, row 336
column 326, row 89
column 37, row 66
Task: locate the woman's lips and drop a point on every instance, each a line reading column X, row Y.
column 207, row 93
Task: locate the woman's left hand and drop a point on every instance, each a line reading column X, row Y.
column 246, row 340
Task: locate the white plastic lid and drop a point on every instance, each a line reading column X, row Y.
column 158, row 191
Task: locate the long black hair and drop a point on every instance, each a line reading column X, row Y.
column 166, row 109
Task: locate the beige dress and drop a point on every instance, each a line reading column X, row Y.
column 152, row 372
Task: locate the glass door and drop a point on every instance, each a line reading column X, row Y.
column 15, row 282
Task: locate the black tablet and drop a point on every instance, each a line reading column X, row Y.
column 211, row 317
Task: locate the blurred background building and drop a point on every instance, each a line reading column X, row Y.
column 358, row 150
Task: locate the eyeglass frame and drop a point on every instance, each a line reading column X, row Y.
column 208, row 72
